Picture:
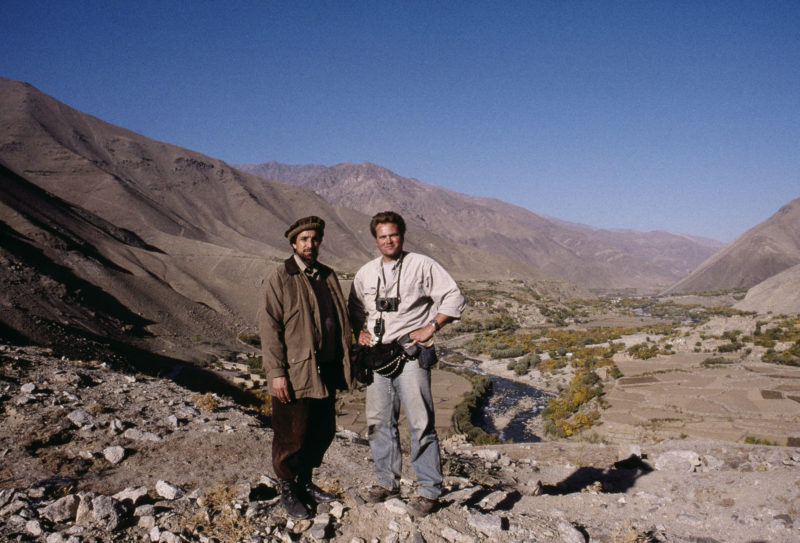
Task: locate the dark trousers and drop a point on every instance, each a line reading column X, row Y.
column 303, row 431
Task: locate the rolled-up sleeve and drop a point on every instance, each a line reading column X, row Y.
column 444, row 292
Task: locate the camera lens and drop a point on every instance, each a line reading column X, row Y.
column 387, row 304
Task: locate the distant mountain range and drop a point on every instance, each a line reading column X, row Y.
column 597, row 259
column 114, row 238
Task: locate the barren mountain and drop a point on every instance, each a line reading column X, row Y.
column 121, row 238
column 763, row 251
column 780, row 294
column 596, row 258
column 293, row 174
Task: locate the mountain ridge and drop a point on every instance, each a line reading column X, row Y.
column 598, row 258
column 765, row 250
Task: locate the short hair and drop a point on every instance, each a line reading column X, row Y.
column 384, row 217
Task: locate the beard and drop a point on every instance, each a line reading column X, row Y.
column 309, row 256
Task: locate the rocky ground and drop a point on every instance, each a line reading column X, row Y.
column 93, row 451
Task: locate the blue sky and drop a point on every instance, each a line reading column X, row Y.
column 679, row 116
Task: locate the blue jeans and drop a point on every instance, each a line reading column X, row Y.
column 412, row 389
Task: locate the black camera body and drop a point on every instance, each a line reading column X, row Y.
column 387, row 305
column 380, row 328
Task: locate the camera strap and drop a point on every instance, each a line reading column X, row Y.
column 380, row 324
column 378, row 290
column 386, row 283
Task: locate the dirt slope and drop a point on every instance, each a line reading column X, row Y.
column 778, row 294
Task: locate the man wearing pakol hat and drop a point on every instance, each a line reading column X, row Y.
column 305, row 338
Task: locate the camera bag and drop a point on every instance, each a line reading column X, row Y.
column 386, row 359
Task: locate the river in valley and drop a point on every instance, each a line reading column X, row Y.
column 510, row 409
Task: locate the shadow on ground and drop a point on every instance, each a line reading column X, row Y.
column 619, row 478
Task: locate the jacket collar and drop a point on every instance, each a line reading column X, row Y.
column 290, row 264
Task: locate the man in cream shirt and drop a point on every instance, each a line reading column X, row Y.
column 406, row 297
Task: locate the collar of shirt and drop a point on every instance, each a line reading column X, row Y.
column 311, row 271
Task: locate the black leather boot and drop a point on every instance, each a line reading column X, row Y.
column 291, row 501
column 312, row 491
column 317, row 494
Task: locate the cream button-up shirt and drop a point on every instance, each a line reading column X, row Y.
column 425, row 289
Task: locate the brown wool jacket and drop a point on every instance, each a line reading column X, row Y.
column 290, row 329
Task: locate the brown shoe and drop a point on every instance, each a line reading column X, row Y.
column 421, row 506
column 377, row 494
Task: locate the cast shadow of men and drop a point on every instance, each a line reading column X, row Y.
column 618, row 478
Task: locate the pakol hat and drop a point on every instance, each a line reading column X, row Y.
column 306, row 223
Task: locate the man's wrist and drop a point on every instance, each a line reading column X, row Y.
column 435, row 325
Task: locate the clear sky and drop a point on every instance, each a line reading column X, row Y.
column 681, row 116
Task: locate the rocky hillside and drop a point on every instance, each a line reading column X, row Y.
column 763, row 251
column 96, row 451
column 595, row 258
column 292, row 174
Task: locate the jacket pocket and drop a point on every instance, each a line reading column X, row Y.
column 301, row 372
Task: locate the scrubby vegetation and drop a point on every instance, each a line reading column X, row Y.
column 784, row 331
column 715, row 361
column 789, row 357
column 558, row 343
column 643, row 351
column 567, row 414
column 751, row 440
column 250, row 338
column 490, row 309
column 505, row 351
column 264, row 405
column 550, row 350
column 495, row 322
column 524, row 364
column 514, row 324
column 206, row 403
column 255, row 364
column 220, row 521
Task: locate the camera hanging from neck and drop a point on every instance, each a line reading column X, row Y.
column 385, row 303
